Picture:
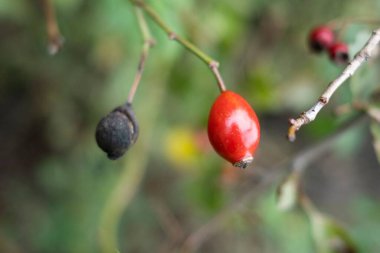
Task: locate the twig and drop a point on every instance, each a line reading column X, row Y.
column 147, row 44
column 298, row 163
column 55, row 39
column 213, row 64
column 362, row 56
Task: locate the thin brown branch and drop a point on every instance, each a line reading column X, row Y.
column 55, row 39
column 156, row 18
column 215, row 69
column 362, row 56
column 147, row 44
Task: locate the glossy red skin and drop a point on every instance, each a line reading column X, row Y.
column 233, row 127
column 321, row 38
column 338, row 53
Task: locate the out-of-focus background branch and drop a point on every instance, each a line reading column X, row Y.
column 55, row 182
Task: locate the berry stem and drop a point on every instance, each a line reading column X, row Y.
column 215, row 70
column 360, row 58
column 213, row 64
column 55, row 39
column 147, row 44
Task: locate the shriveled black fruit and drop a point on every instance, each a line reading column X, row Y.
column 117, row 131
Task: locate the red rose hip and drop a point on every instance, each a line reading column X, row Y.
column 233, row 129
column 321, row 38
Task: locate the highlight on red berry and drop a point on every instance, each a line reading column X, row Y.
column 338, row 53
column 233, row 129
column 321, row 38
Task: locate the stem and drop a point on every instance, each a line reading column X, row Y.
column 55, row 38
column 147, row 44
column 362, row 56
column 215, row 70
column 213, row 64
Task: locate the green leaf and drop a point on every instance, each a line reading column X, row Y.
column 374, row 112
column 287, row 192
column 329, row 236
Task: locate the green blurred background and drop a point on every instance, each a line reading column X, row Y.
column 59, row 192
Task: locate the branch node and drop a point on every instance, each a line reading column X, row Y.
column 151, row 42
column 295, row 125
column 323, row 100
column 172, row 36
column 214, row 64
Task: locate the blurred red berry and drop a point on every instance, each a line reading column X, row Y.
column 321, row 38
column 338, row 53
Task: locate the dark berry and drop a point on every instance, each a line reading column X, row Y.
column 117, row 131
column 321, row 38
column 234, row 129
column 338, row 53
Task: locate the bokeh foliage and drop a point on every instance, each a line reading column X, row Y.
column 55, row 182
